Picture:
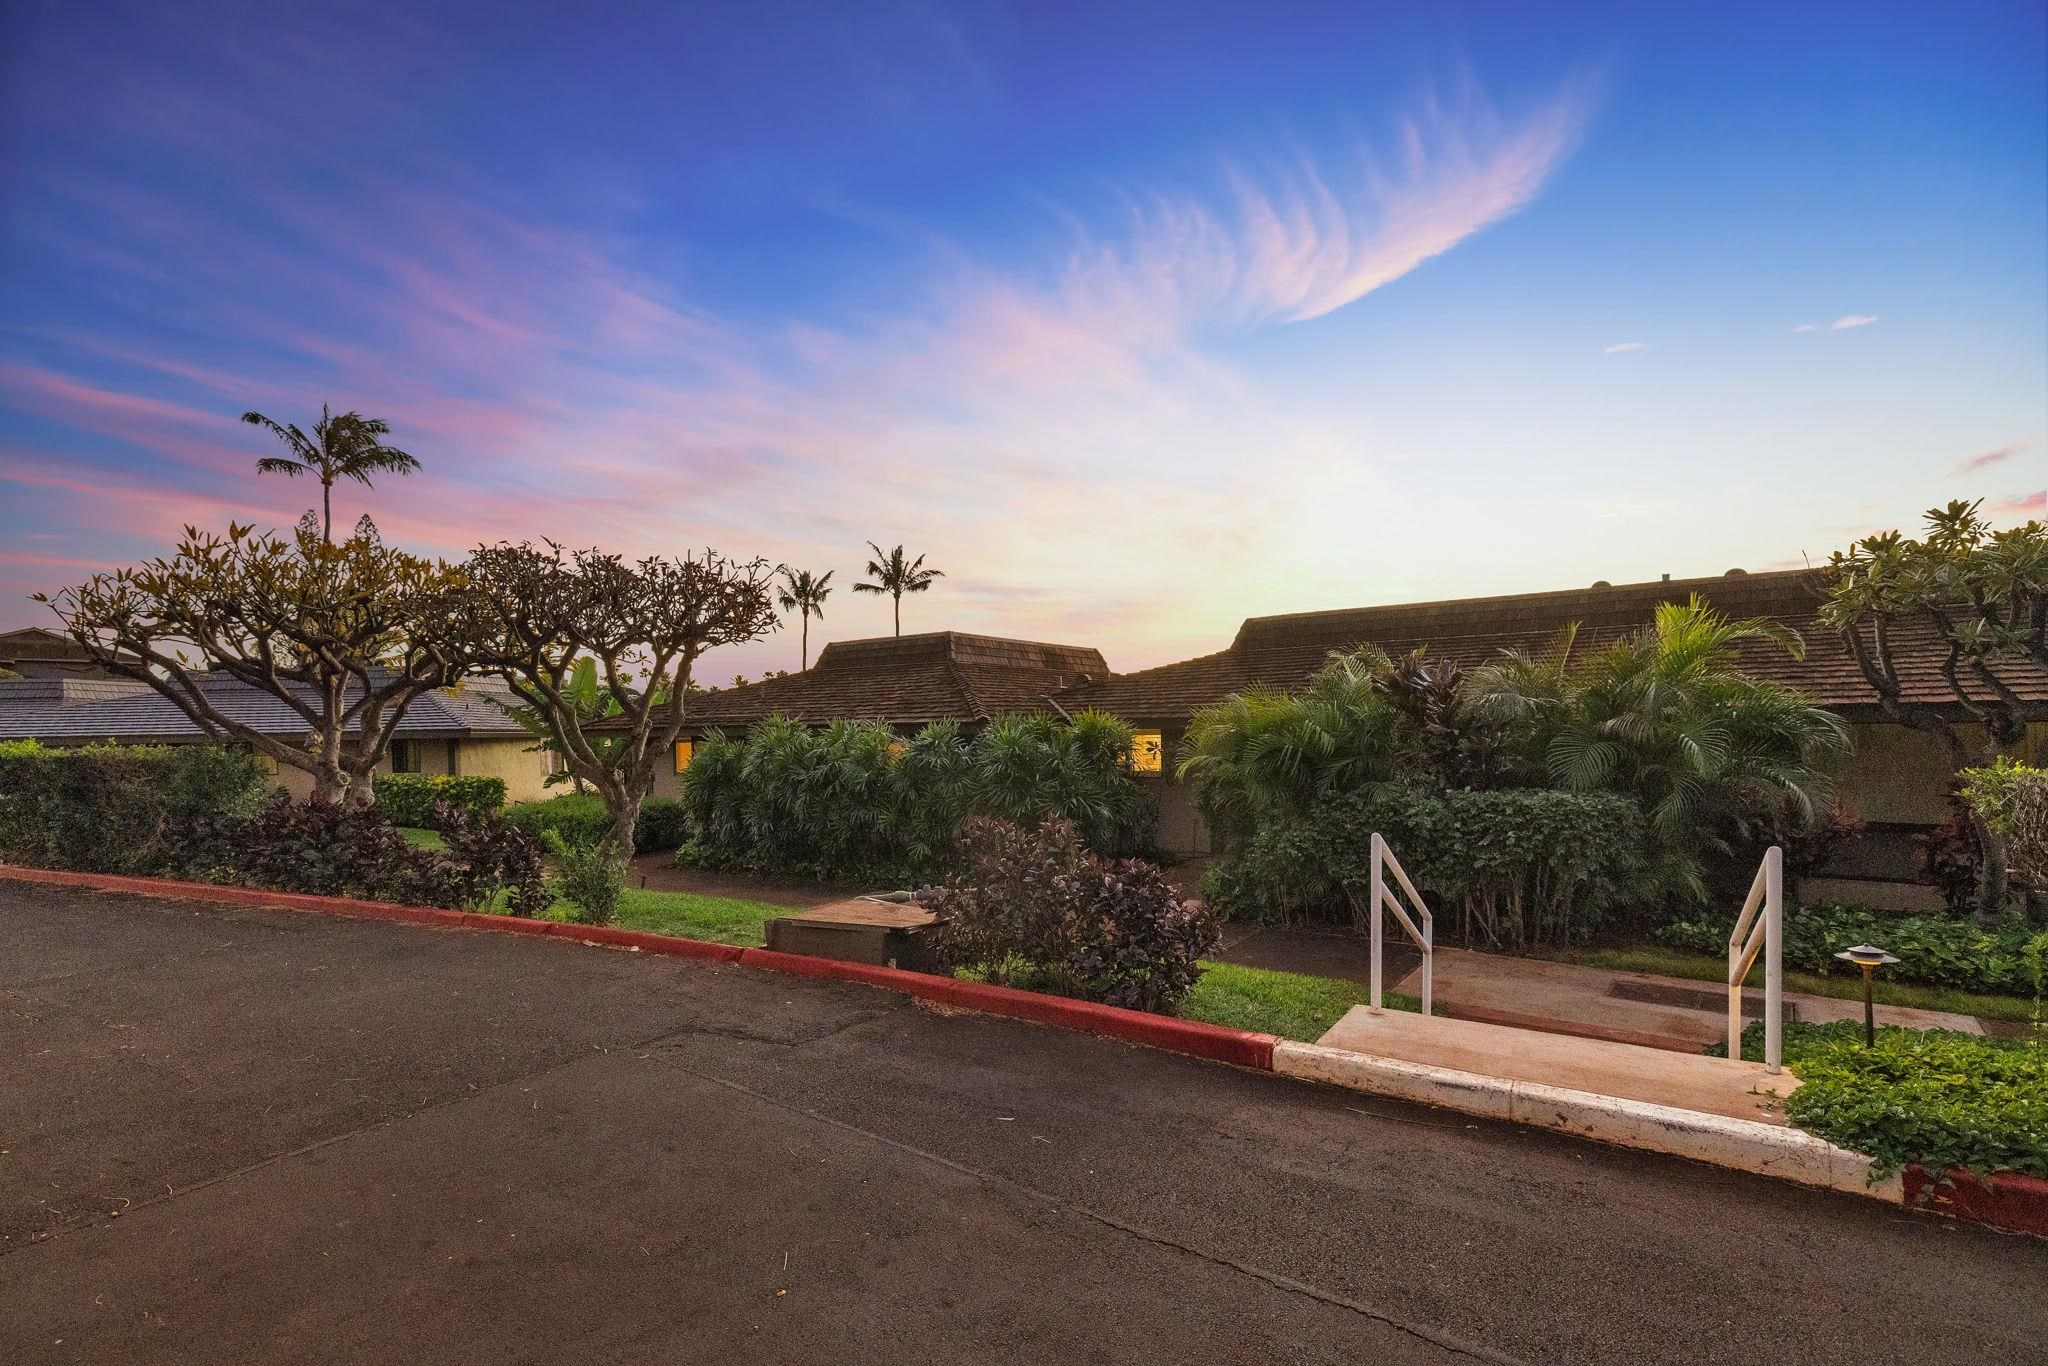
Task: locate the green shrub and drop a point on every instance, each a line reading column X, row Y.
column 1932, row 1096
column 112, row 808
column 1033, row 908
column 1932, row 950
column 852, row 801
column 591, row 877
column 407, row 798
column 579, row 818
column 2013, row 800
column 1517, row 867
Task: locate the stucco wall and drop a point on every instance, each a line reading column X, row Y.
column 1898, row 775
column 1182, row 830
column 524, row 773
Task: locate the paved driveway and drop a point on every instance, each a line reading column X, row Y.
column 245, row 1136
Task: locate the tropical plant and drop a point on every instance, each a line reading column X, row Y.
column 1265, row 754
column 1031, row 907
column 2012, row 799
column 584, row 693
column 591, row 877
column 537, row 614
column 1983, row 598
column 344, row 637
column 891, row 573
column 1667, row 717
column 349, row 446
column 804, row 593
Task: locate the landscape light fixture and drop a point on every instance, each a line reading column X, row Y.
column 1870, row 958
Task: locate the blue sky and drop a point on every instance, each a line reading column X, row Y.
column 1136, row 321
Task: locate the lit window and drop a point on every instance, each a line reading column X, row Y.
column 896, row 748
column 405, row 756
column 1148, row 752
column 684, row 749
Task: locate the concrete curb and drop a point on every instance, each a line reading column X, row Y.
column 1744, row 1144
column 2012, row 1201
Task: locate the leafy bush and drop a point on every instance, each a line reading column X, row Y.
column 317, row 847
column 853, row 801
column 592, row 877
column 579, row 818
column 1515, row 867
column 1032, row 907
column 491, row 855
column 2013, row 800
column 1932, row 1096
column 324, row 848
column 1931, row 950
column 408, row 798
column 111, row 808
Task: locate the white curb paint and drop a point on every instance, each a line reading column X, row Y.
column 1744, row 1144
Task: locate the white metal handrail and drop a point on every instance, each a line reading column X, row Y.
column 1382, row 895
column 1760, row 928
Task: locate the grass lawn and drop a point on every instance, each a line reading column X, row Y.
column 1653, row 958
column 1289, row 1004
column 424, row 839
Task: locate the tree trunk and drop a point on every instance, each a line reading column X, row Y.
column 899, row 614
column 1993, row 879
column 327, row 511
column 625, row 814
column 806, row 664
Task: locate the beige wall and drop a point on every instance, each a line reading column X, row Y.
column 1181, row 828
column 524, row 773
column 1898, row 775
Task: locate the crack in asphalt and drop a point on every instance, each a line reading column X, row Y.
column 1433, row 1336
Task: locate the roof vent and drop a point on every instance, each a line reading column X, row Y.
column 1602, row 583
column 1667, row 578
column 1736, row 574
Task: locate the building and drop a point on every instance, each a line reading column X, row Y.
column 903, row 681
column 1897, row 778
column 33, row 652
column 463, row 730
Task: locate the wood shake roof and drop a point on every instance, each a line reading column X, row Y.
column 908, row 680
column 1283, row 651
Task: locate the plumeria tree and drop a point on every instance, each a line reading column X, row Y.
column 1980, row 598
column 342, row 636
column 540, row 612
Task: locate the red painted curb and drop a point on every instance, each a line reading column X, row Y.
column 1236, row 1046
column 2008, row 1200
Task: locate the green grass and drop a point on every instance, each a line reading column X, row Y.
column 422, row 838
column 1289, row 1004
column 1652, row 958
column 723, row 920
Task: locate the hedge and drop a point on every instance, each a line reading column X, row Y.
column 1932, row 950
column 580, row 819
column 110, row 808
column 1932, row 1096
column 407, row 798
column 1519, row 867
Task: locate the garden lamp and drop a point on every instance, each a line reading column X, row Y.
column 1870, row 958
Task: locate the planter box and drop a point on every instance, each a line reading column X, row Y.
column 861, row 929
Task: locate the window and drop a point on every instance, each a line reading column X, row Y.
column 684, row 749
column 1148, row 752
column 405, row 756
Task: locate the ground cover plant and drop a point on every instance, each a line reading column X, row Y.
column 1932, row 1096
column 114, row 808
column 1032, row 908
column 1933, row 950
column 590, row 877
column 853, row 801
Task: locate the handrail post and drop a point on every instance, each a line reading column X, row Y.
column 1379, row 890
column 1774, row 957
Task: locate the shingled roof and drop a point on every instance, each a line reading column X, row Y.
column 124, row 709
column 1283, row 651
column 908, row 680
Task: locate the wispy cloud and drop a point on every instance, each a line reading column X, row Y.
column 2019, row 507
column 1849, row 320
column 1624, row 346
column 1807, row 327
column 1997, row 455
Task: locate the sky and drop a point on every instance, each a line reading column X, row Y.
column 1135, row 319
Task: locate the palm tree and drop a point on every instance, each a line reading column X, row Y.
column 895, row 576
column 805, row 593
column 343, row 447
column 1667, row 717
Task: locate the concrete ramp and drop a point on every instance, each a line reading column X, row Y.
column 1717, row 1086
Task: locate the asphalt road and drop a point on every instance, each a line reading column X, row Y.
column 248, row 1136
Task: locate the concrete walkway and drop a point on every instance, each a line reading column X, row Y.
column 1715, row 1086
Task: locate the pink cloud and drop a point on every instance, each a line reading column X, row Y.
column 1997, row 455
column 2019, row 506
